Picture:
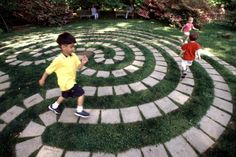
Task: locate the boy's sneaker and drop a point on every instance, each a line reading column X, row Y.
column 56, row 111
column 82, row 114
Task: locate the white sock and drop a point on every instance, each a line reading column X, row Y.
column 79, row 108
column 55, row 105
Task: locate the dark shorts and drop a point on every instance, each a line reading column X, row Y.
column 75, row 91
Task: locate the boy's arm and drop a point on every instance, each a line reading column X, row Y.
column 43, row 79
column 198, row 54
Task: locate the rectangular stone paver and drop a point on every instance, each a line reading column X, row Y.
column 48, row 151
column 122, row 89
column 161, row 69
column 109, row 61
column 199, row 140
column 138, row 63
column 149, row 110
column 33, row 100
column 104, row 74
column 4, row 78
column 32, row 129
column 77, row 154
column 110, row 116
column 222, row 104
column 188, row 81
column 158, row 75
column 92, row 119
column 184, row 88
column 154, row 151
column 223, row 94
column 140, row 58
column 48, row 118
column 119, row 73
column 210, row 127
column 26, row 148
column 130, row 153
column 89, row 72
column 150, row 81
column 89, row 91
column 217, row 78
column 104, row 91
column 137, row 86
column 52, row 93
column 2, row 126
column 131, row 114
column 166, row 105
column 26, row 63
column 99, row 60
column 11, row 114
column 222, row 86
column 68, row 116
column 178, row 97
column 5, row 85
column 103, row 155
column 178, row 147
column 218, row 115
column 119, row 58
column 131, row 68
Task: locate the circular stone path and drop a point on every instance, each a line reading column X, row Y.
column 191, row 143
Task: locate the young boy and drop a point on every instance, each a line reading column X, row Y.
column 65, row 66
column 189, row 51
column 187, row 28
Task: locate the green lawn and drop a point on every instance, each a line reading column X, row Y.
column 118, row 137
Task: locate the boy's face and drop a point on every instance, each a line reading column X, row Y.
column 67, row 49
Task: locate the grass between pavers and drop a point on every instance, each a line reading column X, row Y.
column 225, row 145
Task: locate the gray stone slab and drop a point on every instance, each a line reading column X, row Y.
column 210, row 127
column 137, row 86
column 130, row 114
column 48, row 118
column 110, row 116
column 119, row 73
column 97, row 51
column 89, row 72
column 48, row 151
column 26, row 63
column 43, row 61
column 199, row 140
column 222, row 86
column 150, row 81
column 154, row 151
column 33, row 100
column 89, row 90
column 138, row 63
column 122, row 89
column 140, row 58
column 119, row 58
column 149, row 110
column 32, row 129
column 52, row 93
column 104, row 74
column 135, row 49
column 93, row 118
column 104, row 91
column 158, row 75
column 166, row 105
column 178, row 147
column 4, row 78
column 99, row 60
column 218, row 115
column 91, row 49
column 103, row 155
column 11, row 114
column 223, row 94
column 26, row 148
column 138, row 53
column 184, row 89
column 77, row 154
column 217, row 78
column 178, row 97
column 16, row 62
column 109, row 61
column 130, row 153
column 2, row 126
column 68, row 116
column 1, row 93
column 161, row 69
column 5, row 85
column 222, row 104
column 212, row 71
column 120, row 53
column 188, row 81
column 10, row 60
column 117, row 49
column 131, row 68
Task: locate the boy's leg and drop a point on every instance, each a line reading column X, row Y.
column 79, row 110
column 184, row 68
column 55, row 106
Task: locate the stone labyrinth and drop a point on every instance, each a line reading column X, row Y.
column 191, row 143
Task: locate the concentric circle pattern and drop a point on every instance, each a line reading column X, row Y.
column 118, row 55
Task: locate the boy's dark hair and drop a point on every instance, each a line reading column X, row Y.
column 193, row 36
column 66, row 38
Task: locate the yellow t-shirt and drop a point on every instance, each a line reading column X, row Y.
column 65, row 69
